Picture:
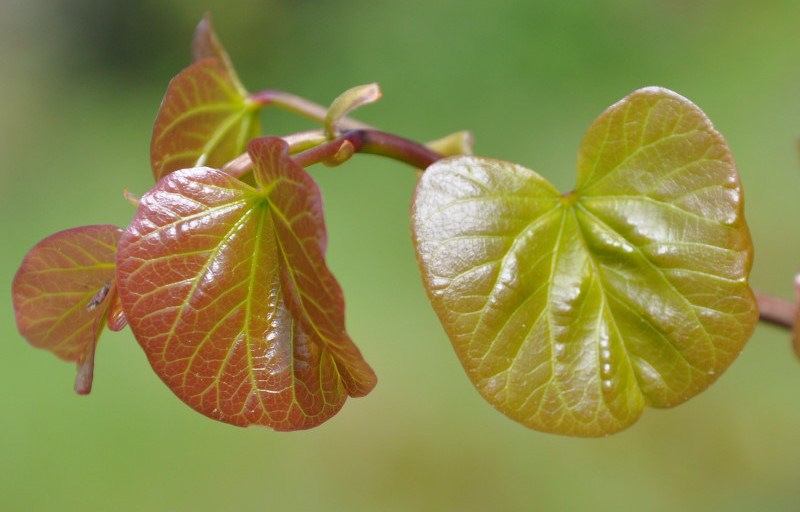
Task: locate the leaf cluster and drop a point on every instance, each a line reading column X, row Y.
column 569, row 312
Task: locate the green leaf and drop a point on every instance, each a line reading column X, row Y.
column 572, row 313
column 205, row 119
column 227, row 292
column 64, row 293
column 458, row 143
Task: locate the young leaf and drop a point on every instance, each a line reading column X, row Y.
column 571, row 313
column 63, row 293
column 205, row 119
column 226, row 289
column 348, row 101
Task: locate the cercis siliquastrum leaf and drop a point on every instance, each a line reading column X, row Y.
column 227, row 291
column 64, row 295
column 571, row 313
column 204, row 120
column 206, row 117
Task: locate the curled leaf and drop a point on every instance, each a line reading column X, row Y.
column 348, row 101
column 572, row 312
column 226, row 290
column 205, row 119
column 63, row 293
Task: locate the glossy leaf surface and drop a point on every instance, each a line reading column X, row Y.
column 64, row 293
column 571, row 313
column 205, row 119
column 227, row 291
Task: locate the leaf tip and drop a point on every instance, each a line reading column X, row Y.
column 204, row 42
column 85, row 376
column 454, row 144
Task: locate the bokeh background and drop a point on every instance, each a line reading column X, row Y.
column 80, row 83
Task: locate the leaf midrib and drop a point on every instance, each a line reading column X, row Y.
column 632, row 307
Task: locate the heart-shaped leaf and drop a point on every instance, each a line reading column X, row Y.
column 227, row 291
column 205, row 119
column 572, row 312
column 64, row 294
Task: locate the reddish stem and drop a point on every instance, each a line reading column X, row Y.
column 302, row 106
column 772, row 310
column 776, row 311
column 372, row 142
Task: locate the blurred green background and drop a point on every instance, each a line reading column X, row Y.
column 80, row 83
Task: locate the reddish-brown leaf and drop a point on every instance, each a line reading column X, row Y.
column 227, row 291
column 64, row 293
column 205, row 119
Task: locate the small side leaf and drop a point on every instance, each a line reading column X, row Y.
column 63, row 292
column 205, row 119
column 571, row 313
column 455, row 144
column 226, row 290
